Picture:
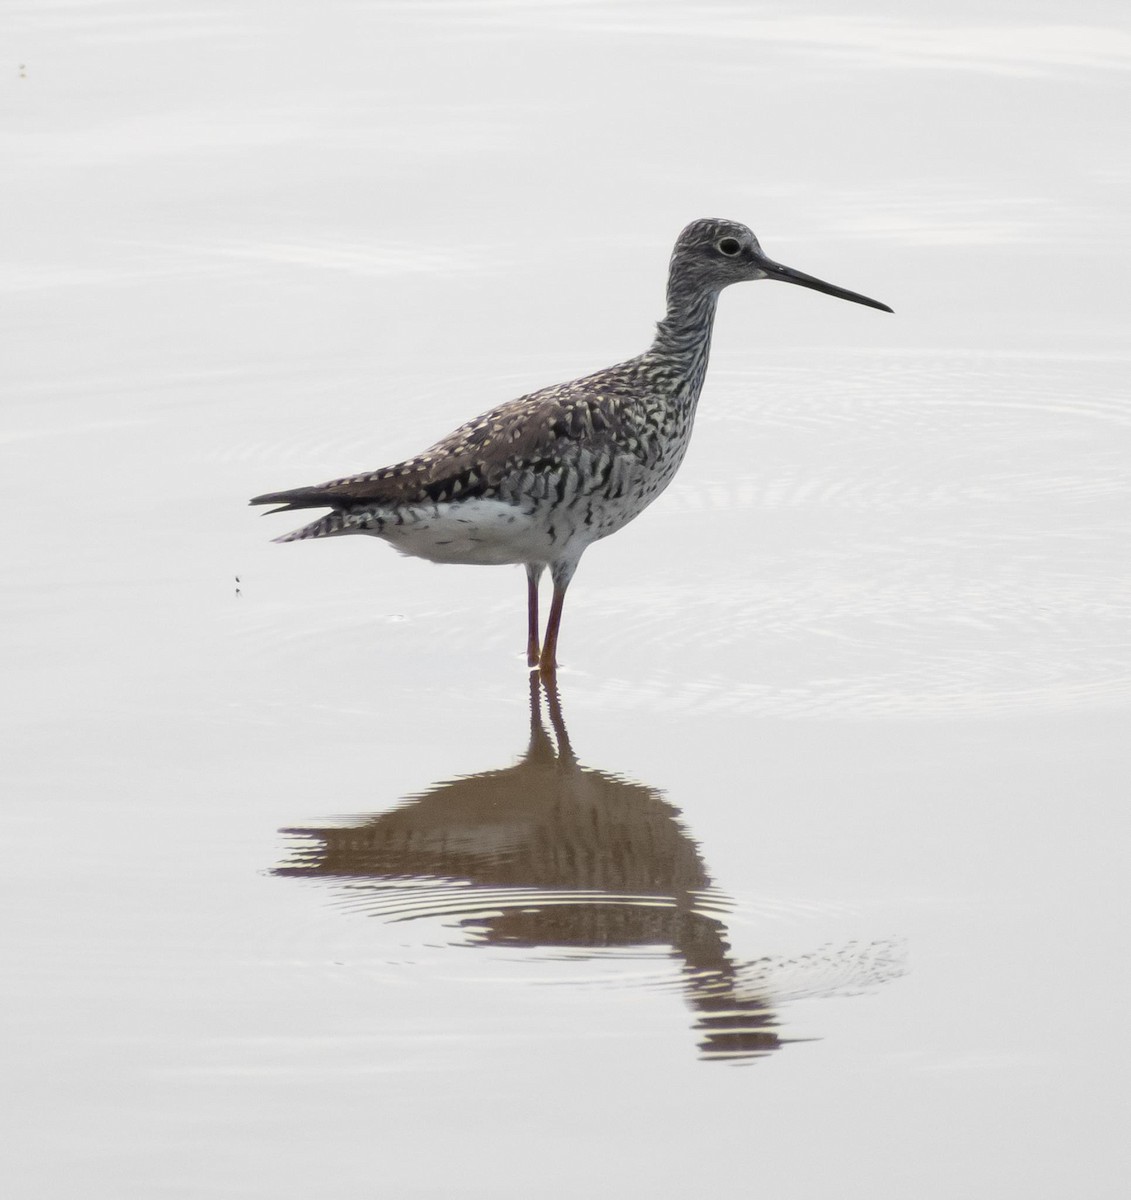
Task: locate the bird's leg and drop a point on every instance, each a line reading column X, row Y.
column 561, row 573
column 548, row 664
column 533, row 574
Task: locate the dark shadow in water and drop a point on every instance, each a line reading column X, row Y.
column 551, row 854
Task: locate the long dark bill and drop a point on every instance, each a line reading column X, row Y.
column 789, row 275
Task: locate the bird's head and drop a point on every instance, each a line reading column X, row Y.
column 710, row 254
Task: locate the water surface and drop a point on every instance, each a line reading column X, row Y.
column 810, row 880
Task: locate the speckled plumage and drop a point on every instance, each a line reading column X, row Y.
column 537, row 480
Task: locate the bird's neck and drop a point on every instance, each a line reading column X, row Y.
column 683, row 338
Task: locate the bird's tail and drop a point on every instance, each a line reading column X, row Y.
column 340, row 521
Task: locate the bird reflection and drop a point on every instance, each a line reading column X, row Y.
column 552, row 854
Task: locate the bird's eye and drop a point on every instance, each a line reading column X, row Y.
column 730, row 246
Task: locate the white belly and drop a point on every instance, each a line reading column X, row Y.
column 485, row 532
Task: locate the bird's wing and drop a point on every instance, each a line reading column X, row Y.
column 535, row 431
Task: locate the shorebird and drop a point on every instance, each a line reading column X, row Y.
column 537, row 480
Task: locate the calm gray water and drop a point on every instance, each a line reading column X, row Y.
column 811, row 881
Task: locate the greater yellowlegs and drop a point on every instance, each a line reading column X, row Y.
column 537, row 480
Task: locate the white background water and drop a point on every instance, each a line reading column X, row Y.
column 872, row 645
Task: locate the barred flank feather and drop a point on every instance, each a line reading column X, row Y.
column 335, row 524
